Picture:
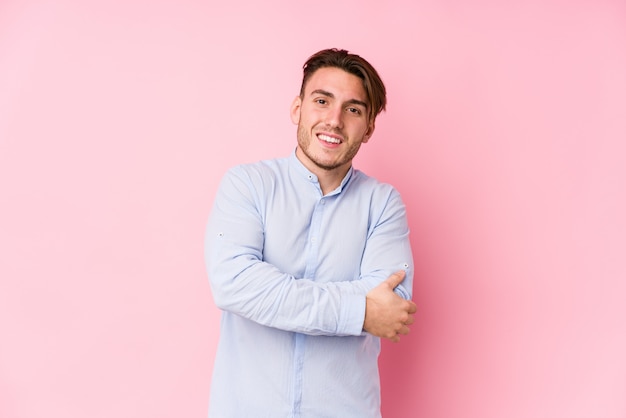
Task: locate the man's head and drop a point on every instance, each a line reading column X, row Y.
column 340, row 97
column 353, row 64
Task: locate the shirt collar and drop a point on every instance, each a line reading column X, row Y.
column 312, row 178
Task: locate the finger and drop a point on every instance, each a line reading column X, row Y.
column 396, row 278
column 412, row 307
column 404, row 330
column 392, row 335
column 410, row 320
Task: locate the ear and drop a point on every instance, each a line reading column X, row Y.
column 369, row 132
column 295, row 110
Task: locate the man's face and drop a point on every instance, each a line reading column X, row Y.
column 332, row 118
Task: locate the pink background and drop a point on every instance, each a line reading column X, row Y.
column 505, row 133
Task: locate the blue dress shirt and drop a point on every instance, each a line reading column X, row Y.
column 290, row 269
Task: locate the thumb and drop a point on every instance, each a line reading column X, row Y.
column 396, row 278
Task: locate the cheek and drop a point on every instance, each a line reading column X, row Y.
column 359, row 131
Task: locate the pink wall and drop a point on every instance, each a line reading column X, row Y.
column 505, row 133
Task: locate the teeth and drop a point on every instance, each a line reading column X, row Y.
column 330, row 139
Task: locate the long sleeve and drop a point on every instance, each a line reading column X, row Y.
column 245, row 284
column 291, row 267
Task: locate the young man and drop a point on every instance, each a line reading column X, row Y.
column 310, row 261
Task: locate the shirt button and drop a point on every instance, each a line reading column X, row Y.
column 313, row 239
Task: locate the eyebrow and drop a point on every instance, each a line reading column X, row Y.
column 332, row 96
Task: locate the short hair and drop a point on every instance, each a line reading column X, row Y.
column 353, row 64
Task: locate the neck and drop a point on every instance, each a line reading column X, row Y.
column 329, row 179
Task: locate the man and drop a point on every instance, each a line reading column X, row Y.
column 310, row 261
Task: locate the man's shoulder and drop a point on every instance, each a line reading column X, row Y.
column 263, row 168
column 379, row 196
column 364, row 181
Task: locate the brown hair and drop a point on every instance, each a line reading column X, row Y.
column 353, row 64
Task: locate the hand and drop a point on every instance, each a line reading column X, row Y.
column 388, row 315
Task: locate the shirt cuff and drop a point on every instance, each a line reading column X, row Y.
column 402, row 292
column 352, row 315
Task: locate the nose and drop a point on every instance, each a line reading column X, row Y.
column 334, row 117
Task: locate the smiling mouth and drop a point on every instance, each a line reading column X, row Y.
column 329, row 139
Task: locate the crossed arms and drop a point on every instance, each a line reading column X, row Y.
column 245, row 284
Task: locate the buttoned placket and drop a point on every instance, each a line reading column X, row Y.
column 312, row 262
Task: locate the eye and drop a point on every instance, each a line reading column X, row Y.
column 321, row 101
column 354, row 110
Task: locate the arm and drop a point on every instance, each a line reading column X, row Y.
column 244, row 284
column 388, row 248
column 389, row 309
column 387, row 315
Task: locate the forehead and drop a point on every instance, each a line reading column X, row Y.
column 340, row 83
